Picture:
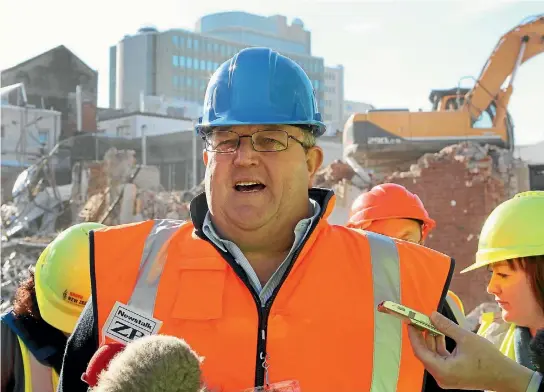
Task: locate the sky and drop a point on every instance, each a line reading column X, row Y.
column 393, row 52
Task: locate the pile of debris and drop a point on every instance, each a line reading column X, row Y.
column 17, row 256
column 118, row 191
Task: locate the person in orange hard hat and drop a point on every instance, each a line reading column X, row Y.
column 392, row 210
column 45, row 310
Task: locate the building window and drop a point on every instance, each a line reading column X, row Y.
column 203, row 65
column 215, row 66
column 195, row 44
column 208, row 47
column 175, row 61
column 189, row 81
column 181, row 41
column 215, row 47
column 189, row 43
column 182, row 61
column 209, row 66
column 195, row 63
column 189, row 62
column 175, row 40
column 223, row 50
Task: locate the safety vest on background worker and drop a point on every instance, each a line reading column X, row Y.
column 456, row 306
column 507, row 346
column 37, row 376
column 320, row 328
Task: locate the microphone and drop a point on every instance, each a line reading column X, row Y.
column 156, row 363
column 100, row 361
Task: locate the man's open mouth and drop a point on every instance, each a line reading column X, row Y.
column 249, row 186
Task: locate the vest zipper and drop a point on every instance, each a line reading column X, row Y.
column 262, row 364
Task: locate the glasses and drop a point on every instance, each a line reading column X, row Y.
column 262, row 141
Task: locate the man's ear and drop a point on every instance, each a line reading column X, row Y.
column 314, row 159
column 205, row 157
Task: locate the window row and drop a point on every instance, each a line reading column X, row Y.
column 180, row 81
column 192, row 63
column 201, row 45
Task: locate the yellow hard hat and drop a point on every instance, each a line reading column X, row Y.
column 62, row 277
column 514, row 229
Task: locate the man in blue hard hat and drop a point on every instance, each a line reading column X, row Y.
column 259, row 283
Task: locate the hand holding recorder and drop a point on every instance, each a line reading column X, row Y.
column 474, row 364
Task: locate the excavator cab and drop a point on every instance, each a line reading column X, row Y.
column 448, row 100
column 392, row 139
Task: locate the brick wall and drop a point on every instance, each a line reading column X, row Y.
column 459, row 190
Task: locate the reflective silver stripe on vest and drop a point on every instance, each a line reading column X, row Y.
column 457, row 313
column 152, row 264
column 41, row 376
column 387, row 329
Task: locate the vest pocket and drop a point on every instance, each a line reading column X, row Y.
column 201, row 285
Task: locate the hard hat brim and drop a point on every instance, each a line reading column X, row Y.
column 476, row 266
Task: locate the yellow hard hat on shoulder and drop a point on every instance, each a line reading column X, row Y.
column 62, row 277
column 514, row 229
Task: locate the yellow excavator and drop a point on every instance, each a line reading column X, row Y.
column 395, row 138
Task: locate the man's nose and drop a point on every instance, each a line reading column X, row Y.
column 246, row 155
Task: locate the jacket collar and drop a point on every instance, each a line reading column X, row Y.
column 325, row 197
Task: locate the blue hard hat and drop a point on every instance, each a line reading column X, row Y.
column 260, row 86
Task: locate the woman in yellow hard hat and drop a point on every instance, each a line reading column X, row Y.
column 511, row 246
column 45, row 310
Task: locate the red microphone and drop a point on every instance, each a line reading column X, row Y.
column 100, row 361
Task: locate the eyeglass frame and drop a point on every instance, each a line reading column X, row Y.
column 206, row 143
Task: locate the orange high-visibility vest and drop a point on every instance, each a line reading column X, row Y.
column 320, row 327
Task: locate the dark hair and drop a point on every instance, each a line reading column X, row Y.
column 25, row 303
column 533, row 266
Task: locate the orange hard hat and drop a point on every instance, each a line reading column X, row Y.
column 389, row 201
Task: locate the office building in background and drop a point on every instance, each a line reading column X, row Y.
column 178, row 63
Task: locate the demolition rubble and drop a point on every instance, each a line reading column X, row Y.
column 113, row 191
column 460, row 186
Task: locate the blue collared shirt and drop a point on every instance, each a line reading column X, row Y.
column 301, row 232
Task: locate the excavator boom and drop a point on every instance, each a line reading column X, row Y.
column 391, row 139
column 514, row 48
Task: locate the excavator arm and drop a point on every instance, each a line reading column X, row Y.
column 513, row 49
